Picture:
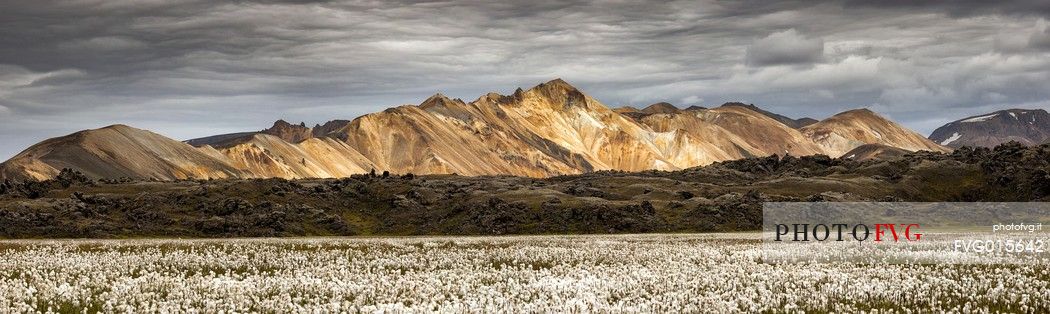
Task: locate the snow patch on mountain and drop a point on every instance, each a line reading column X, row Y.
column 955, row 136
column 981, row 118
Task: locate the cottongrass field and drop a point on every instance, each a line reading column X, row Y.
column 709, row 273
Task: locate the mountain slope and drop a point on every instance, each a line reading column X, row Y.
column 410, row 139
column 550, row 129
column 844, row 131
column 1029, row 127
column 558, row 113
column 874, row 151
column 293, row 133
column 793, row 123
column 118, row 151
column 266, row 155
column 767, row 134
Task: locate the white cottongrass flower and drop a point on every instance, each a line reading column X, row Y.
column 561, row 274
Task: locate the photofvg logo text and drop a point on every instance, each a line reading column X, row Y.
column 845, row 232
column 925, row 233
column 1017, row 227
column 1007, row 239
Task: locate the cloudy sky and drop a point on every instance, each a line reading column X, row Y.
column 187, row 68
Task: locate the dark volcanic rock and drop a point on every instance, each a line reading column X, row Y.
column 724, row 196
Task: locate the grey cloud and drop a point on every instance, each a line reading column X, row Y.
column 786, row 47
column 188, row 68
column 1040, row 38
column 98, row 44
column 1037, row 38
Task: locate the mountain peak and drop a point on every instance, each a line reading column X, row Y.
column 550, row 129
column 280, row 123
column 661, row 107
column 559, row 82
column 289, row 132
column 738, row 104
column 1026, row 126
column 559, row 92
column 860, row 114
column 1014, row 113
column 556, row 86
column 864, row 111
column 437, row 96
column 436, row 101
column 1022, row 110
column 118, row 126
column 865, row 126
column 116, row 151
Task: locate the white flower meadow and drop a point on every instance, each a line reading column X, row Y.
column 564, row 274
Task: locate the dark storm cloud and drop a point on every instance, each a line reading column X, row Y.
column 188, row 68
column 963, row 7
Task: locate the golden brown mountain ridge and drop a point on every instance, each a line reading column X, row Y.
column 550, row 129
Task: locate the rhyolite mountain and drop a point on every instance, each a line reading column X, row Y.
column 119, row 151
column 794, row 123
column 1028, row 127
column 550, row 129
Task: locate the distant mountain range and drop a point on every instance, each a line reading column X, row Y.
column 550, row 129
column 1029, row 127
